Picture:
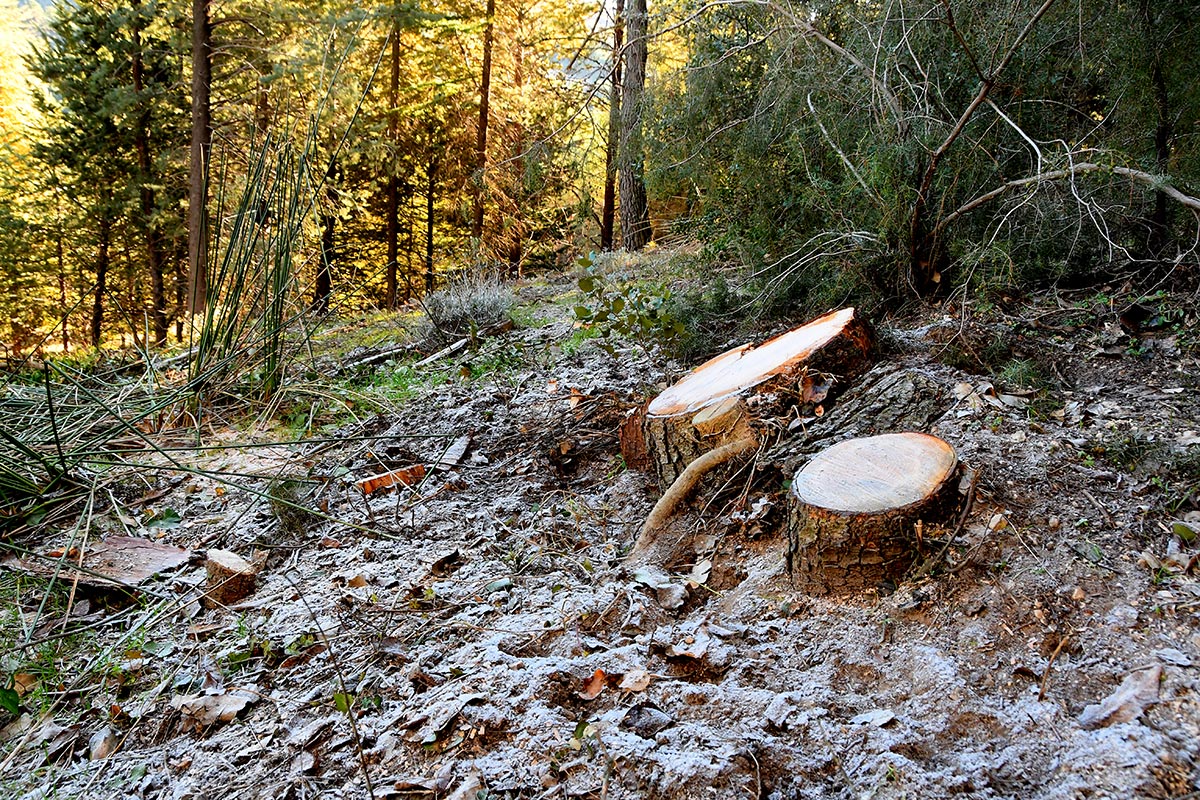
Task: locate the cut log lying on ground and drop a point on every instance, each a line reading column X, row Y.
column 231, row 578
column 857, row 510
column 723, row 409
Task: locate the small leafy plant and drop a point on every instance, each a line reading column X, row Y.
column 626, row 308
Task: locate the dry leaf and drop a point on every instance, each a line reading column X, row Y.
column 120, row 560
column 206, row 710
column 403, row 477
column 593, row 686
column 636, row 680
column 1136, row 692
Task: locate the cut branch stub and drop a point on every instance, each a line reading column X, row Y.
column 712, row 407
column 857, row 510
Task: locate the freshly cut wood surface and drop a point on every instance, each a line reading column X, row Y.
column 711, row 406
column 747, row 366
column 231, row 578
column 875, row 474
column 859, row 512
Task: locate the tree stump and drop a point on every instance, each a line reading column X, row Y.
column 723, row 409
column 723, row 400
column 231, row 578
column 857, row 511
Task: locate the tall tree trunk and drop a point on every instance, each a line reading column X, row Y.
column 430, row 185
column 1160, row 220
column 154, row 251
column 324, row 284
column 62, row 287
column 392, row 212
column 635, row 212
column 198, row 163
column 101, row 275
column 521, row 191
column 485, row 85
column 608, row 211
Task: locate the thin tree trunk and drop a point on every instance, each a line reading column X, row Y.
column 635, row 211
column 101, row 276
column 62, row 288
column 154, row 253
column 392, row 212
column 324, row 284
column 608, row 211
column 429, row 190
column 198, row 164
column 1160, row 220
column 485, row 85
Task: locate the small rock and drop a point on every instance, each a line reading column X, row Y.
column 1122, row 617
column 876, row 717
column 645, row 720
column 671, row 596
column 1169, row 655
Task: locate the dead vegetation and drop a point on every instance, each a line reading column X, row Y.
column 473, row 625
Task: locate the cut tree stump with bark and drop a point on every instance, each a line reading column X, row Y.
column 727, row 406
column 231, row 578
column 856, row 512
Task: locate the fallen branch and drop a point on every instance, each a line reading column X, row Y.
column 686, row 483
column 1155, row 181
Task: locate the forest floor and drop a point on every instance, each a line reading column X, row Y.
column 480, row 633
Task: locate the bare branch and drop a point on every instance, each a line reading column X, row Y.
column 1157, row 182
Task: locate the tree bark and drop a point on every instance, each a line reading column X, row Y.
column 430, row 186
column 481, row 133
column 198, row 162
column 392, row 211
column 801, row 368
column 62, row 286
column 102, row 262
column 154, row 251
column 608, row 211
column 635, row 212
column 859, row 511
column 324, row 282
column 1160, row 221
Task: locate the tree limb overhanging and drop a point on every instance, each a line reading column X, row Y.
column 1157, row 182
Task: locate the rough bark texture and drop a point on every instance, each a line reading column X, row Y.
column 156, row 258
column 230, row 578
column 803, row 366
column 608, row 210
column 857, row 512
column 197, row 165
column 481, row 132
column 635, row 211
column 392, row 201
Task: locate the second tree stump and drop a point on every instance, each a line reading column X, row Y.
column 856, row 511
column 720, row 401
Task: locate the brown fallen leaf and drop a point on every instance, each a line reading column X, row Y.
column 1138, row 691
column 204, row 711
column 117, row 560
column 402, row 477
column 593, row 686
column 636, row 680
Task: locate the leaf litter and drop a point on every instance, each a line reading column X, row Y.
column 479, row 631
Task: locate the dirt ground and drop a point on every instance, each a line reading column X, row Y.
column 481, row 633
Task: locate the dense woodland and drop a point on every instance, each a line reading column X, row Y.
column 156, row 155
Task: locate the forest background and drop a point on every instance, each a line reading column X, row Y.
column 157, row 158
